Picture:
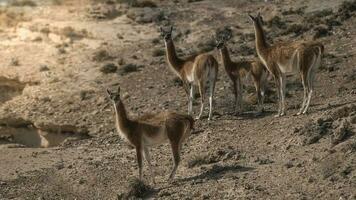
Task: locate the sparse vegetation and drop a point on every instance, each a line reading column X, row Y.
column 321, row 31
column 129, row 68
column 346, row 10
column 202, row 160
column 297, row 29
column 158, row 52
column 103, row 12
column 101, row 55
column 276, row 22
column 207, row 45
column 143, row 4
column 251, row 155
column 139, row 3
column 291, row 11
column 73, row 34
column 108, row 68
column 15, row 62
column 10, row 18
column 213, row 157
column 23, row 3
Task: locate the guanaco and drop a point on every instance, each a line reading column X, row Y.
column 288, row 58
column 201, row 70
column 151, row 130
column 241, row 69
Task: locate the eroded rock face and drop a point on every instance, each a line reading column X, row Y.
column 38, row 134
column 9, row 88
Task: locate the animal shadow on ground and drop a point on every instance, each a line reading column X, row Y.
column 329, row 107
column 246, row 115
column 217, row 172
column 254, row 115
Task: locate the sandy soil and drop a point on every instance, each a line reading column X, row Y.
column 59, row 56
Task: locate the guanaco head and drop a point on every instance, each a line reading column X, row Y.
column 256, row 20
column 114, row 97
column 222, row 38
column 167, row 35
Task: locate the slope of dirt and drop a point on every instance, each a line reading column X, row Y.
column 60, row 56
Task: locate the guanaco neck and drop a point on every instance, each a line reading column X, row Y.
column 261, row 42
column 174, row 62
column 121, row 120
column 225, row 57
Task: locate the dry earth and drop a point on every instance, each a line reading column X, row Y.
column 59, row 56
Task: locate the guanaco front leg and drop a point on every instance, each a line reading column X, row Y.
column 148, row 158
column 305, row 88
column 191, row 99
column 211, row 94
column 176, row 158
column 139, row 160
column 238, row 94
column 202, row 97
column 283, row 95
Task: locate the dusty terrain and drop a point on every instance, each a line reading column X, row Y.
column 57, row 58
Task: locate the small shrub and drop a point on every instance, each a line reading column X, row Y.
column 14, row 62
column 108, row 68
column 192, row 1
column 207, row 45
column 158, row 52
column 297, row 29
column 156, row 41
column 70, row 32
column 322, row 13
column 276, row 21
column 201, row 160
column 9, row 18
column 346, row 10
column 177, row 82
column 245, row 50
column 103, row 12
column 101, row 55
column 321, row 31
column 43, row 68
column 129, row 68
column 45, row 30
column 23, row 3
column 85, row 94
column 143, row 4
column 298, row 11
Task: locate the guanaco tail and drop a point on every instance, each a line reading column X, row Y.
column 288, row 58
column 237, row 71
column 201, row 70
column 151, row 130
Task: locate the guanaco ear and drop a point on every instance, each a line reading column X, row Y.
column 161, row 29
column 118, row 90
column 108, row 92
column 171, row 29
column 251, row 17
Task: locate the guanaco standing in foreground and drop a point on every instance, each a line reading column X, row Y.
column 151, row 130
column 288, row 58
column 201, row 70
column 239, row 70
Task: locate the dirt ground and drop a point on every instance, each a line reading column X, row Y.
column 57, row 134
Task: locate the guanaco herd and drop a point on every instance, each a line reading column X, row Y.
column 202, row 70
